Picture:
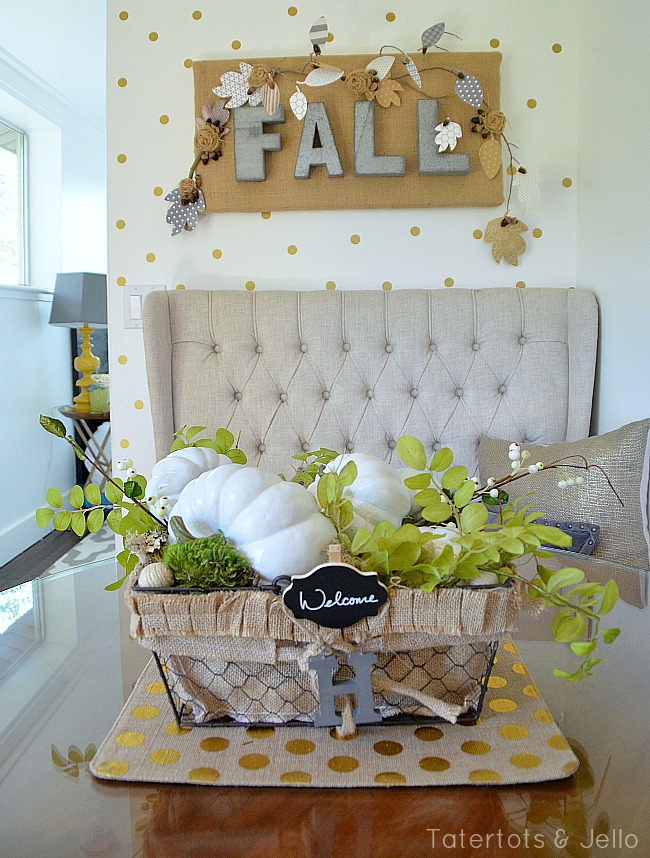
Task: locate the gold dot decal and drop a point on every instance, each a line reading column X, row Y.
column 494, row 43
column 295, row 778
column 150, row 257
column 266, row 215
column 123, row 16
column 300, row 746
column 130, row 740
column 236, row 45
column 122, row 359
column 113, row 769
column 139, row 405
column 180, row 287
column 355, row 239
column 214, row 744
column 520, row 668
column 478, row 233
column 415, row 230
column 330, row 37
column 292, row 250
column 531, row 691
column 559, row 743
column 497, row 682
column 122, row 81
column 164, row 119
column 217, row 254
column 387, row 286
column 124, row 443
column 388, row 749
column 520, row 284
column 250, row 285
column 172, row 729
column 254, row 761
column 537, row 233
column 543, row 716
column 156, row 688
column 164, row 757
column 428, row 734
column 260, row 732
column 390, row 16
column 511, row 170
column 203, row 776
column 525, row 761
column 292, row 11
column 343, row 764
column 330, row 285
column 121, row 158
column 157, row 191
column 121, row 281
column 153, row 37
column 120, row 224
column 390, row 779
column 531, row 103
column 197, row 15
column 511, row 648
column 449, row 282
column 513, row 732
column 434, row 764
column 502, row 704
column 567, row 182
column 484, row 776
column 557, row 48
column 476, row 749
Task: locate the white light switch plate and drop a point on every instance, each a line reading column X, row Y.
column 133, row 298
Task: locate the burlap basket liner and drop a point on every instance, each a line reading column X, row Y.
column 239, row 654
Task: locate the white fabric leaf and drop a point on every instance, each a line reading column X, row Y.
column 381, row 66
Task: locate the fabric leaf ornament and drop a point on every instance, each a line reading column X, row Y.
column 490, row 157
column 505, row 235
column 298, row 104
column 380, row 66
column 528, row 187
column 318, row 33
column 449, row 133
column 412, row 69
column 386, row 92
column 184, row 215
column 432, row 36
column 468, row 89
column 235, row 87
column 322, row 76
column 270, row 97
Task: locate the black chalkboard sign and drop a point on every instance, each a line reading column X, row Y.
column 335, row 595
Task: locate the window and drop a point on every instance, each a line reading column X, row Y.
column 13, row 257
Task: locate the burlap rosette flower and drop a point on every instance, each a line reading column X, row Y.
column 208, row 142
column 359, row 81
column 489, row 122
column 260, row 75
column 188, row 191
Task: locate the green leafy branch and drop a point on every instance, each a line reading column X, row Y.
column 330, row 493
column 224, row 442
column 315, row 462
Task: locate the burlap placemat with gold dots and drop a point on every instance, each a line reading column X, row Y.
column 515, row 741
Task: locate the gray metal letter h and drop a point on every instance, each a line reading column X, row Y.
column 329, row 688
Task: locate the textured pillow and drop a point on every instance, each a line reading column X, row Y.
column 624, row 454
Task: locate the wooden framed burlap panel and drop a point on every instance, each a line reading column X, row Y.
column 395, row 134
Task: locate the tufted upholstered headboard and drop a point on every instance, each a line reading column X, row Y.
column 356, row 369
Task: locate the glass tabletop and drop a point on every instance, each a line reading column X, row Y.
column 67, row 665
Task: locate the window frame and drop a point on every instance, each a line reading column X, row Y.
column 23, row 197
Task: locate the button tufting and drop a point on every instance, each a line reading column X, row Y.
column 304, row 347
column 502, row 388
column 349, row 446
column 261, row 447
column 435, row 446
column 476, row 347
column 238, row 395
column 304, row 447
column 522, row 341
column 459, row 391
column 217, row 349
column 326, row 394
column 346, row 347
column 283, row 397
column 432, row 347
column 389, row 348
column 259, row 349
column 415, row 392
column 370, row 393
column 391, row 444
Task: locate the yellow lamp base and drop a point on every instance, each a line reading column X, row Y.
column 86, row 363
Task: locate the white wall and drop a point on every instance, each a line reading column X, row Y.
column 255, row 248
column 613, row 247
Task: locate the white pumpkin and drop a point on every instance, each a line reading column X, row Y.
column 404, row 473
column 170, row 475
column 377, row 494
column 274, row 523
column 447, row 535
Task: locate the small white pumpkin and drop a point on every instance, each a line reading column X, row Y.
column 446, row 534
column 170, row 475
column 274, row 523
column 156, row 575
column 404, row 473
column 377, row 494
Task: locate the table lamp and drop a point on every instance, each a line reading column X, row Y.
column 79, row 302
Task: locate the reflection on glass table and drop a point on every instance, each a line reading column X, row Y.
column 67, row 665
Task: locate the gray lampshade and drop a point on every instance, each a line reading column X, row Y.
column 79, row 298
